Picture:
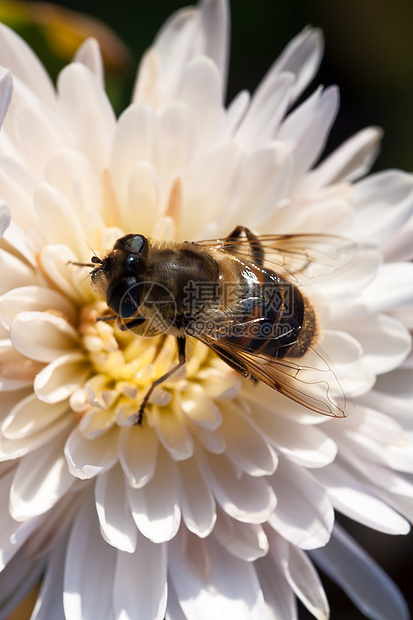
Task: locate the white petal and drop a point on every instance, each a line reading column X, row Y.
column 385, row 341
column 200, row 408
column 89, row 569
column 351, row 160
column 17, row 580
column 305, row 445
column 138, row 451
column 244, row 540
column 354, row 499
column 39, row 133
column 267, row 176
column 6, row 89
column 217, row 593
column 72, row 175
column 266, row 110
column 89, row 457
column 178, row 140
column 384, row 202
column 30, row 416
column 42, row 336
column 279, row 596
column 215, row 31
column 140, row 588
column 14, row 272
column 172, row 431
column 244, row 498
column 57, row 219
column 5, row 217
column 54, row 260
column 306, row 129
column 117, row 525
column 196, row 500
column 33, row 298
column 19, row 58
column 245, row 446
column 304, row 514
column 143, row 208
column 222, row 168
column 302, row 57
column 364, row 582
column 50, row 599
column 8, row 526
column 41, row 479
column 61, row 378
column 89, row 54
column 306, row 583
column 16, row 448
column 86, row 107
column 136, row 140
column 201, row 91
column 155, row 507
column 17, row 186
column 395, row 280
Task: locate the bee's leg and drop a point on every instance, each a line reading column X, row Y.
column 256, row 248
column 107, row 317
column 181, row 342
column 138, row 320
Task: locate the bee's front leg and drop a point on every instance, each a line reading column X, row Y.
column 181, row 342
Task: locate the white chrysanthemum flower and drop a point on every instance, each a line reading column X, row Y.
column 209, row 509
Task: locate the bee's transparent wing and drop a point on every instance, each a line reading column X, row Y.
column 302, row 259
column 310, row 380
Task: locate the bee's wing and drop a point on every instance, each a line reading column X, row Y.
column 309, row 381
column 299, row 258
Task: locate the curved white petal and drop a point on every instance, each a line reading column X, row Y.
column 33, row 298
column 196, row 500
column 14, row 272
column 354, row 499
column 89, row 54
column 59, row 379
column 5, row 217
column 30, row 416
column 216, row 593
column 87, row 458
column 43, row 337
column 301, row 57
column 117, row 525
column 89, row 569
column 41, row 479
column 19, row 58
column 244, row 540
column 87, row 111
column 155, row 507
column 304, row 514
column 245, row 446
column 383, row 202
column 50, row 599
column 138, row 451
column 364, row 582
column 140, row 587
column 306, row 128
column 242, row 497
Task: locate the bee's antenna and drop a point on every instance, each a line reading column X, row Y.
column 95, row 260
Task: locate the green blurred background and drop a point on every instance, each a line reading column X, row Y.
column 369, row 54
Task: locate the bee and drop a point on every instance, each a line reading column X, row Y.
column 242, row 296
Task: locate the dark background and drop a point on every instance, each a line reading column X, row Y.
column 369, row 54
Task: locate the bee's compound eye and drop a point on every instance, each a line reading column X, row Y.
column 123, row 296
column 131, row 243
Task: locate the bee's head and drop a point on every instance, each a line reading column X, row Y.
column 118, row 275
